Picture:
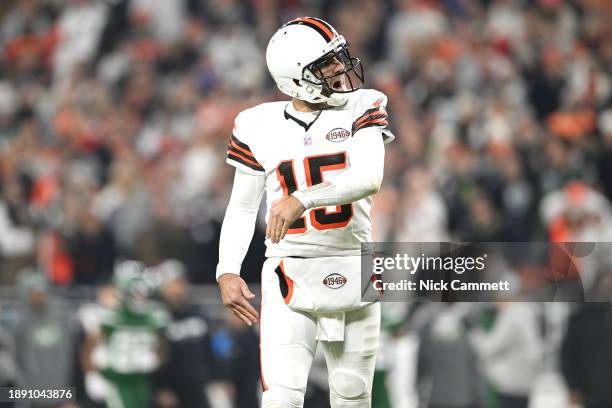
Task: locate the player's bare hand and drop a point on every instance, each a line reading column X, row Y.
column 236, row 295
column 283, row 212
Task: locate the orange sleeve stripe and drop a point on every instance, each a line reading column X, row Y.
column 254, row 163
column 372, row 122
column 369, row 115
column 246, row 152
column 379, row 120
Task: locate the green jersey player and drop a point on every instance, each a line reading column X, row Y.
column 129, row 344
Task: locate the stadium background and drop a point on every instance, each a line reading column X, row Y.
column 115, row 115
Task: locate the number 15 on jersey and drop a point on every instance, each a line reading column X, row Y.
column 314, row 167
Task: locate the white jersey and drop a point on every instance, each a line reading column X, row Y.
column 293, row 155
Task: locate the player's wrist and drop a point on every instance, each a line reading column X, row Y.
column 226, row 275
column 227, row 270
column 303, row 199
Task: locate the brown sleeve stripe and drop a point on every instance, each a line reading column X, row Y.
column 231, row 155
column 379, row 122
column 372, row 117
column 239, row 143
column 372, row 111
column 238, row 153
column 242, row 150
column 241, row 153
column 375, row 115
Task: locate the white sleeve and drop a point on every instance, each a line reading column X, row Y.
column 239, row 222
column 360, row 179
column 239, row 153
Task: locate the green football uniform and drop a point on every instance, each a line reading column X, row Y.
column 129, row 353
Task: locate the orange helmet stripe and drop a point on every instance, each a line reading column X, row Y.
column 321, row 28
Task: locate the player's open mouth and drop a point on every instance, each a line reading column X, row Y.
column 337, row 85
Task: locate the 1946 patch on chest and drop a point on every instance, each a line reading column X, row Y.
column 338, row 135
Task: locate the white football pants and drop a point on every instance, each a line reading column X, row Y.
column 288, row 343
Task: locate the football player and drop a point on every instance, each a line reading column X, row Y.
column 319, row 158
column 120, row 358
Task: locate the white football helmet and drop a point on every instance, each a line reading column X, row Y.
column 299, row 50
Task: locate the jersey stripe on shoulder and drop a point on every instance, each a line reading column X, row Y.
column 376, row 116
column 241, row 153
column 239, row 143
column 243, row 161
column 240, row 150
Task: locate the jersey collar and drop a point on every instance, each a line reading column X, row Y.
column 300, row 122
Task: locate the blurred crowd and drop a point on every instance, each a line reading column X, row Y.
column 115, row 116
